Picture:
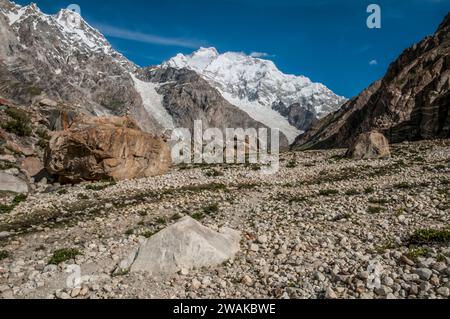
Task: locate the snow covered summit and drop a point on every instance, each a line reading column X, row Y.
column 258, row 87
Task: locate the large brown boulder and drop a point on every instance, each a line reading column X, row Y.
column 371, row 145
column 106, row 148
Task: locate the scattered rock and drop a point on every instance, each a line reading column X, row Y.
column 424, row 273
column 444, row 292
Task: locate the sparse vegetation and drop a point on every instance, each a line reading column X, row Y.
column 328, row 192
column 415, row 253
column 5, row 209
column 386, row 245
column 121, row 272
column 161, row 221
column 149, row 234
column 19, row 123
column 201, row 188
column 369, row 190
column 211, row 209
column 297, row 199
column 345, row 216
column 352, row 192
column 430, row 236
column 3, row 254
column 63, row 255
column 129, row 232
column 403, row 185
column 82, row 196
column 198, row 216
column 379, row 201
column 213, row 173
column 99, row 187
column 175, row 216
column 375, row 209
column 34, row 90
column 292, row 164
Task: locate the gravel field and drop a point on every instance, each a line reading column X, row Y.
column 323, row 227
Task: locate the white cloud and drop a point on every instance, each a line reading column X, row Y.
column 115, row 32
column 261, row 55
column 373, row 62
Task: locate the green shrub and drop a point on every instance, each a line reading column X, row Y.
column 20, row 123
column 430, row 236
column 291, row 164
column 211, row 209
column 63, row 255
column 5, row 209
column 99, row 187
column 43, row 144
column 403, row 185
column 379, row 201
column 328, row 192
column 175, row 216
column 3, row 254
column 34, row 90
column 198, row 216
column 369, row 190
column 352, row 192
column 161, row 221
column 213, row 173
column 415, row 253
column 19, row 199
column 375, row 209
column 82, row 196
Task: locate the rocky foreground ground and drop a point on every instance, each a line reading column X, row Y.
column 323, row 227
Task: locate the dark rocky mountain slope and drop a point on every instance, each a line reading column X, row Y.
column 410, row 103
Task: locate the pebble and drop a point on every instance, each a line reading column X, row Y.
column 424, row 273
column 444, row 292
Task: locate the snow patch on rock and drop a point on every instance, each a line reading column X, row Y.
column 153, row 103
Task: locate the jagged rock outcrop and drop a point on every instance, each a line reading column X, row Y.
column 106, row 148
column 297, row 115
column 371, row 145
column 184, row 246
column 410, row 103
column 62, row 58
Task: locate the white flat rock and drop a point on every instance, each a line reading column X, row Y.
column 186, row 245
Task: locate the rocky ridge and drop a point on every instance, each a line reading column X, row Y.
column 411, row 102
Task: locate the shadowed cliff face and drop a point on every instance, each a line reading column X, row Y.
column 410, row 103
column 188, row 98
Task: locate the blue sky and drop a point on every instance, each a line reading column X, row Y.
column 326, row 40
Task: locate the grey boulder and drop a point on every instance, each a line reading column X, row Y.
column 185, row 245
column 11, row 183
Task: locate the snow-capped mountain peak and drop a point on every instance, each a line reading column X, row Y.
column 75, row 33
column 198, row 61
